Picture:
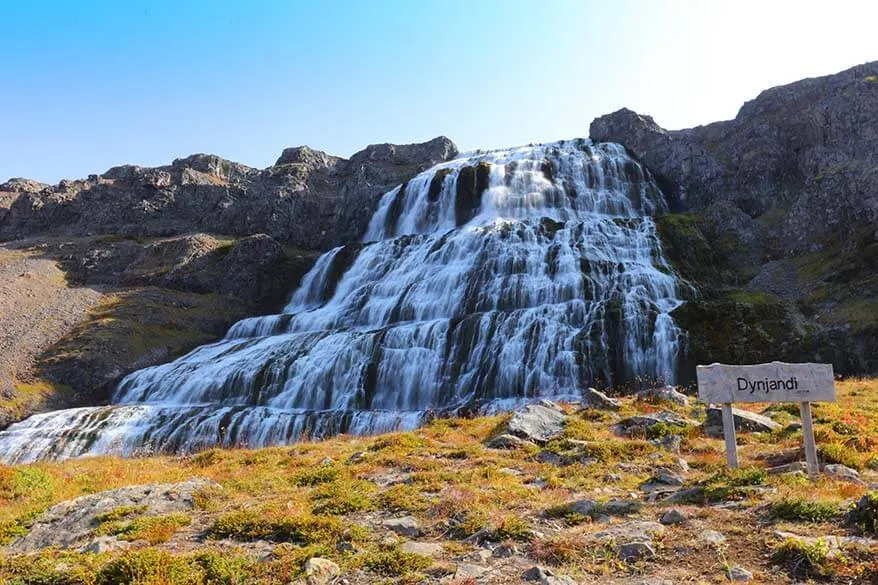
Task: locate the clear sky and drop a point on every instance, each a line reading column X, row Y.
column 89, row 84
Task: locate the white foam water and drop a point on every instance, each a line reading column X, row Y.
column 486, row 281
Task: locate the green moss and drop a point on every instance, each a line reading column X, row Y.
column 513, row 527
column 685, row 245
column 315, row 475
column 305, row 529
column 741, row 327
column 391, row 561
column 344, row 497
column 403, row 498
column 806, row 559
column 800, row 509
column 153, row 529
column 119, row 513
column 865, row 514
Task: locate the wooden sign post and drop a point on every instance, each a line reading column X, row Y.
column 774, row 382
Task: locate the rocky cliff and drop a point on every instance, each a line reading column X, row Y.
column 136, row 266
column 307, row 199
column 777, row 220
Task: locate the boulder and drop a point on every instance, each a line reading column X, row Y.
column 427, row 549
column 668, row 393
column 320, row 571
column 842, row 472
column 745, row 421
column 506, row 441
column 740, row 574
column 597, row 399
column 635, row 551
column 70, row 524
column 673, row 516
column 536, row 423
column 404, row 526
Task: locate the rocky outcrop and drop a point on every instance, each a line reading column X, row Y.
column 72, row 524
column 308, row 199
column 806, row 149
column 773, row 218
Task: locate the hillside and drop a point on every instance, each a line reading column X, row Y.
column 628, row 492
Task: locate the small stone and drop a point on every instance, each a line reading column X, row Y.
column 635, row 551
column 673, row 516
column 427, row 549
column 326, row 461
column 320, row 571
column 740, row 574
column 405, row 526
column 613, row 477
column 104, row 544
column 469, row 571
column 636, row 531
column 713, row 537
column 535, row 573
column 621, row 507
column 597, row 399
column 506, row 441
column 480, row 556
column 504, row 550
column 670, row 443
column 793, row 467
column 357, row 457
column 558, row 580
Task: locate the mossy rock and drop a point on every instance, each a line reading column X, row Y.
column 740, row 328
column 686, row 246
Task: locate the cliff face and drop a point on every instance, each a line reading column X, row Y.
column 306, row 199
column 780, row 204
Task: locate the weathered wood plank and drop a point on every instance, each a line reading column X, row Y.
column 772, row 382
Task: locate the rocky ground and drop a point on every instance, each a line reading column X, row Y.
column 621, row 491
column 77, row 314
column 38, row 307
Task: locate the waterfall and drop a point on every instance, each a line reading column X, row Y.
column 486, row 281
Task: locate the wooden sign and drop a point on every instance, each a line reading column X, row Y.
column 773, row 382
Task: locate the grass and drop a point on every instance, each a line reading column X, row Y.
column 313, row 499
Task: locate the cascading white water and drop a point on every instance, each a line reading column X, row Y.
column 486, row 281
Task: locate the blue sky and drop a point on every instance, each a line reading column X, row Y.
column 91, row 84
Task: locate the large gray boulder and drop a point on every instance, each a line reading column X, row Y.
column 536, row 423
column 744, row 421
column 70, row 524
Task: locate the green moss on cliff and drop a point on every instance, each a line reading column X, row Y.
column 688, row 249
column 740, row 327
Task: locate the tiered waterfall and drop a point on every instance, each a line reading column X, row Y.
column 486, row 281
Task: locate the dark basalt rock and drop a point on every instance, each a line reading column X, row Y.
column 308, row 199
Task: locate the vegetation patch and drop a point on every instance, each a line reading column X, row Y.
column 800, row 509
